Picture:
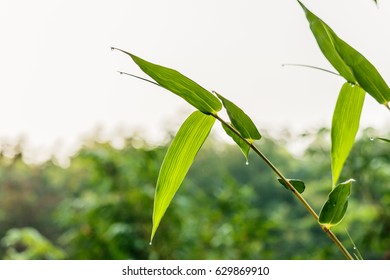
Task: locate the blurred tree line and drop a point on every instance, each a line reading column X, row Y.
column 100, row 206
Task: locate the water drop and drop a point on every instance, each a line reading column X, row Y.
column 372, row 138
column 247, row 162
column 150, row 243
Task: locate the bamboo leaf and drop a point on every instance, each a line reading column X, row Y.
column 241, row 143
column 345, row 124
column 180, row 85
column 180, row 155
column 324, row 36
column 299, row 185
column 365, row 73
column 383, row 139
column 335, row 207
column 351, row 64
column 240, row 120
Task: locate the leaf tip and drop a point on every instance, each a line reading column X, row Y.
column 154, row 229
column 115, row 49
column 303, row 6
column 350, row 181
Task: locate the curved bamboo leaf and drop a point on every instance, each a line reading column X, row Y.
column 365, row 73
column 324, row 36
column 241, row 143
column 181, row 153
column 240, row 120
column 299, row 185
column 335, row 207
column 180, row 85
column 383, row 139
column 345, row 125
column 351, row 64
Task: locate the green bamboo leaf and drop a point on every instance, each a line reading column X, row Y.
column 299, row 185
column 383, row 139
column 180, row 155
column 345, row 124
column 335, row 207
column 241, row 143
column 180, row 85
column 324, row 36
column 365, row 73
column 240, row 120
column 351, row 64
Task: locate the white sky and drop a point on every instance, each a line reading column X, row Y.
column 59, row 80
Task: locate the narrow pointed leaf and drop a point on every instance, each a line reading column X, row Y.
column 299, row 185
column 241, row 143
column 345, row 125
column 365, row 73
column 240, row 120
column 335, row 207
column 324, row 36
column 180, row 85
column 181, row 153
column 351, row 64
column 383, row 139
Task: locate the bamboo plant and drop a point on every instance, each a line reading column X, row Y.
column 360, row 77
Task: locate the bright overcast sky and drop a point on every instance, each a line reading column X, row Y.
column 59, row 78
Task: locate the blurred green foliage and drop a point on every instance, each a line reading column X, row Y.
column 29, row 244
column 100, row 206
